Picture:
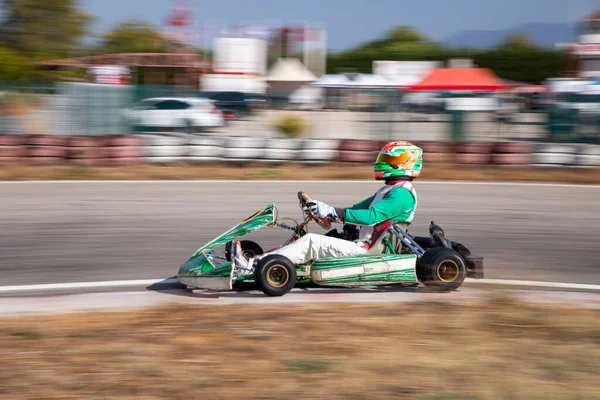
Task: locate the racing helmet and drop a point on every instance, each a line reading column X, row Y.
column 399, row 159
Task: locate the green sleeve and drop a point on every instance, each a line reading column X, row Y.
column 397, row 202
column 363, row 204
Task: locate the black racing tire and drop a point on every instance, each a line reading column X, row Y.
column 441, row 269
column 249, row 248
column 275, row 275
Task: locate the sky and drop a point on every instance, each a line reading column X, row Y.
column 351, row 22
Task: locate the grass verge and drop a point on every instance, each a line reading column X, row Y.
column 294, row 172
column 499, row 349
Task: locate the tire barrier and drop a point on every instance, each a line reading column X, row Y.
column 172, row 148
column 244, row 149
column 122, row 150
column 164, row 139
column 12, row 140
column 435, row 152
column 122, row 155
column 163, row 149
column 12, row 152
column 512, row 154
column 205, row 149
column 318, row 151
column 86, row 150
column 553, row 154
column 280, row 151
column 124, row 141
column 46, row 149
column 358, row 151
column 588, row 156
column 474, row 153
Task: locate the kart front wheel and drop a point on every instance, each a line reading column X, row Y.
column 442, row 269
column 275, row 275
column 249, row 249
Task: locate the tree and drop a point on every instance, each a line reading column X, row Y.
column 13, row 67
column 50, row 27
column 134, row 36
column 518, row 42
column 405, row 34
column 517, row 59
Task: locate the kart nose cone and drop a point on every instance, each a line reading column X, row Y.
column 199, row 273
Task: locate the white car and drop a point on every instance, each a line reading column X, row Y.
column 188, row 113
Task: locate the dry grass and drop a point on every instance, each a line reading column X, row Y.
column 293, row 172
column 495, row 350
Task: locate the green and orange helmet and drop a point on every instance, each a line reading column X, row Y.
column 397, row 160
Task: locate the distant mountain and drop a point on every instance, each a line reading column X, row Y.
column 544, row 35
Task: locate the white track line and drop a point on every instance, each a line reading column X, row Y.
column 148, row 282
column 208, row 181
column 85, row 285
column 559, row 285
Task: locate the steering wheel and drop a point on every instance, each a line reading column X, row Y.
column 323, row 222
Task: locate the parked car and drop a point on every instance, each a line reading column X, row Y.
column 424, row 102
column 187, row 113
column 237, row 104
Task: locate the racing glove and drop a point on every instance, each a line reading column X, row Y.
column 322, row 210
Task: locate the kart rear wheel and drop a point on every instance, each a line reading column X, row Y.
column 442, row 269
column 275, row 275
column 249, row 249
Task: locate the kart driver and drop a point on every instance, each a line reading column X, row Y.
column 398, row 163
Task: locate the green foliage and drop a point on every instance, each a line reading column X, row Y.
column 405, row 34
column 134, row 36
column 17, row 99
column 13, row 67
column 523, row 65
column 291, row 125
column 517, row 58
column 518, row 42
column 50, row 27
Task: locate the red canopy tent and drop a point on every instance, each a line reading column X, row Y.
column 460, row 79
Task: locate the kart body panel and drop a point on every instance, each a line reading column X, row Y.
column 204, row 270
column 367, row 269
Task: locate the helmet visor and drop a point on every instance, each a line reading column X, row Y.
column 393, row 160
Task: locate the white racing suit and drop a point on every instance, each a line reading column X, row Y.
column 396, row 202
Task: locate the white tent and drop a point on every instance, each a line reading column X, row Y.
column 332, row 81
column 290, row 70
column 369, row 81
column 404, row 81
column 287, row 76
column 364, row 81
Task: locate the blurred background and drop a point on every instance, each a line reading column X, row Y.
column 97, row 68
column 116, row 83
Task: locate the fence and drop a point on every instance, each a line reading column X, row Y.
column 97, row 110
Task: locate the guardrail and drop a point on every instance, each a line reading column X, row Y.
column 179, row 148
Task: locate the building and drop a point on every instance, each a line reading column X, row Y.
column 146, row 68
column 583, row 60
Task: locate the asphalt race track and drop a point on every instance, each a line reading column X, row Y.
column 53, row 232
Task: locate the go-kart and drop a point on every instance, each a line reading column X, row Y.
column 434, row 261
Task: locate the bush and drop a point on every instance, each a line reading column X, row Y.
column 13, row 103
column 291, row 125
